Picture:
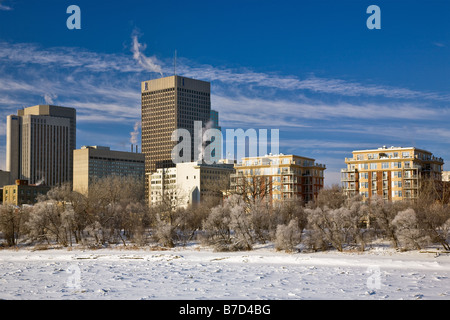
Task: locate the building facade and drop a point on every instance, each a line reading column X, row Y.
column 189, row 183
column 168, row 104
column 22, row 193
column 393, row 173
column 278, row 177
column 40, row 144
column 92, row 162
column 446, row 176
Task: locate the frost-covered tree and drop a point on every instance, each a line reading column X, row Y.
column 228, row 226
column 410, row 235
column 288, row 236
column 263, row 220
column 49, row 221
column 328, row 224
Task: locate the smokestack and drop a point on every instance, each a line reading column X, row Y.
column 136, row 148
column 131, row 148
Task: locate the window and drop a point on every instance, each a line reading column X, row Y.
column 385, row 165
column 396, row 184
column 396, row 174
column 396, row 164
column 373, row 166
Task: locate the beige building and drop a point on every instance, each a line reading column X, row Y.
column 39, row 145
column 188, row 183
column 92, row 162
column 446, row 176
column 22, row 193
column 278, row 177
column 168, row 104
column 393, row 173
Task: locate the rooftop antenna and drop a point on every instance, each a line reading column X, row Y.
column 175, row 64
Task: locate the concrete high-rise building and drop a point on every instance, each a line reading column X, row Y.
column 168, row 104
column 393, row 173
column 92, row 162
column 40, row 143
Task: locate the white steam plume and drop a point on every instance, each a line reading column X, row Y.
column 49, row 98
column 148, row 63
column 135, row 133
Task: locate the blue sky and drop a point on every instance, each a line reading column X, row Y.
column 311, row 69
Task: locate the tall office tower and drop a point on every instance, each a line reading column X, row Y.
column 40, row 144
column 168, row 104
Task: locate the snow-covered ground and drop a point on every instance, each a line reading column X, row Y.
column 197, row 272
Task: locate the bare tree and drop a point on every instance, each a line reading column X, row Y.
column 409, row 233
column 12, row 220
column 50, row 222
column 251, row 187
column 288, row 236
column 383, row 213
column 228, row 226
column 330, row 197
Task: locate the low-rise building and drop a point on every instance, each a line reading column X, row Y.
column 394, row 173
column 278, row 177
column 188, row 183
column 23, row 193
column 93, row 162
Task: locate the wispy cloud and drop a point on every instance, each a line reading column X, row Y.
column 80, row 59
column 4, row 7
column 313, row 84
column 439, row 44
column 105, row 89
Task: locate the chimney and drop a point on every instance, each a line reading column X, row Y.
column 136, row 148
column 131, row 148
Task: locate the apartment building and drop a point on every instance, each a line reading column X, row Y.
column 278, row 177
column 91, row 162
column 393, row 173
column 189, row 183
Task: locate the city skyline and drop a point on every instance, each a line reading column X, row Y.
column 315, row 71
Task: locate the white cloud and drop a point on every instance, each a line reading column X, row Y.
column 106, row 88
column 4, row 7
